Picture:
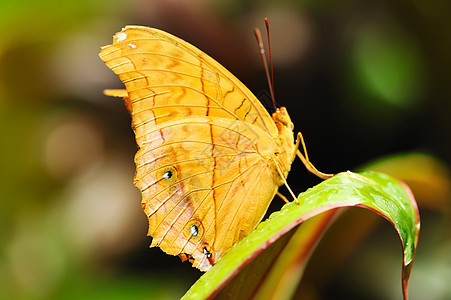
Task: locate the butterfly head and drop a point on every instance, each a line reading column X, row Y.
column 282, row 119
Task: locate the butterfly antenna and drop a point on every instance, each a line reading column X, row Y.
column 270, row 60
column 265, row 63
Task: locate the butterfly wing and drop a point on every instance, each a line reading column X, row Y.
column 205, row 144
column 205, row 184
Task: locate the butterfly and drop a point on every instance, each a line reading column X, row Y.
column 210, row 158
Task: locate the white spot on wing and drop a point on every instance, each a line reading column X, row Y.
column 167, row 175
column 121, row 36
column 132, row 45
column 194, row 230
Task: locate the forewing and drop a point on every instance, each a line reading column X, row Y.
column 167, row 78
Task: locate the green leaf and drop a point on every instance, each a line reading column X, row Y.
column 375, row 191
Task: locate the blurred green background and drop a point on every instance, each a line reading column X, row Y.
column 360, row 79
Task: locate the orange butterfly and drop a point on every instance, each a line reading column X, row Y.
column 210, row 157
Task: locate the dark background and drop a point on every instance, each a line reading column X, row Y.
column 362, row 80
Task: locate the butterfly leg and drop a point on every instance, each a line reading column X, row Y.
column 116, row 93
column 282, row 197
column 305, row 160
column 285, row 181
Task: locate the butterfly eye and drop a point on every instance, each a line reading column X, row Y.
column 193, row 230
column 167, row 175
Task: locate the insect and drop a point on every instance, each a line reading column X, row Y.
column 210, row 158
